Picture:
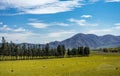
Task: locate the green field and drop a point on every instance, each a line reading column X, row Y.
column 94, row 65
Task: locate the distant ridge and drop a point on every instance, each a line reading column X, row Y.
column 89, row 40
column 80, row 39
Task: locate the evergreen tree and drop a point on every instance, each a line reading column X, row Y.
column 16, row 52
column 61, row 50
column 3, row 47
column 86, row 51
column 47, row 48
column 39, row 50
column 73, row 51
column 68, row 52
column 105, row 50
column 3, row 43
column 81, row 52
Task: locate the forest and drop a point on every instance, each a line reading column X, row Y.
column 13, row 51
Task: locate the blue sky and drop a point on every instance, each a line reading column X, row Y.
column 43, row 21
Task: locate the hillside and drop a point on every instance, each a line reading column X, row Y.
column 90, row 40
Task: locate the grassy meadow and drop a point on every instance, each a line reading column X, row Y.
column 94, row 65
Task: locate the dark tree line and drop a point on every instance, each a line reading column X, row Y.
column 80, row 51
column 12, row 51
column 110, row 50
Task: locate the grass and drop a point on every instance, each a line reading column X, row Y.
column 94, row 65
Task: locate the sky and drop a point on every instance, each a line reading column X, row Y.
column 43, row 21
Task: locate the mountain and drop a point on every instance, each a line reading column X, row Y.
column 89, row 40
column 80, row 39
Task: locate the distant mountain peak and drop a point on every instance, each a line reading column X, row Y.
column 90, row 40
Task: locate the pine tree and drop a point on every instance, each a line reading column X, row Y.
column 63, row 50
column 59, row 50
column 47, row 48
column 68, row 52
column 4, row 46
column 86, row 51
column 81, row 52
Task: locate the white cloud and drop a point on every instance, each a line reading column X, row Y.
column 12, row 14
column 82, row 22
column 19, row 30
column 31, row 37
column 79, row 22
column 38, row 25
column 60, row 24
column 41, row 7
column 14, row 34
column 117, row 27
column 17, row 36
column 25, row 4
column 112, row 0
column 118, row 24
column 100, row 31
column 60, row 34
column 86, row 16
column 20, row 35
column 6, row 28
column 112, row 30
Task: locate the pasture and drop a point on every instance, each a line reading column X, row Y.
column 94, row 65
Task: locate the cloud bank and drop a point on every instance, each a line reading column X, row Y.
column 40, row 7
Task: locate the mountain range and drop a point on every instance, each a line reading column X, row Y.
column 90, row 40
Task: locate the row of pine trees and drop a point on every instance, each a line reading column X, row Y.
column 12, row 51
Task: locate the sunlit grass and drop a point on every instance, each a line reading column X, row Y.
column 94, row 65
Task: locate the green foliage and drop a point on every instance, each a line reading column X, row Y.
column 86, row 51
column 61, row 50
column 27, row 51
